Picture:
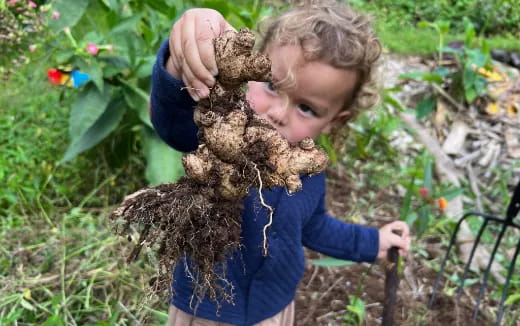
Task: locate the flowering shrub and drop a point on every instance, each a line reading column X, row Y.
column 425, row 200
column 22, row 23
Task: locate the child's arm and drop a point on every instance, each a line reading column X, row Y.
column 182, row 62
column 335, row 238
column 171, row 107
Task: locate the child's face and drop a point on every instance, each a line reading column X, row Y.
column 312, row 105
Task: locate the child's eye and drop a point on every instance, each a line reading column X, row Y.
column 270, row 87
column 307, row 110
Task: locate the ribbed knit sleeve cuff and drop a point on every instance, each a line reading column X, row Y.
column 165, row 88
column 369, row 248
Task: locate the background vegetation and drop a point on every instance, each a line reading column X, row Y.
column 64, row 169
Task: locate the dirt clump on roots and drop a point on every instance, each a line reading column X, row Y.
column 200, row 215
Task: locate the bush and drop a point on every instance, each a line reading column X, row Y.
column 488, row 16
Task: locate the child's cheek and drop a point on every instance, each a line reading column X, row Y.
column 256, row 97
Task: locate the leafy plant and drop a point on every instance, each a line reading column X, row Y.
column 115, row 42
column 424, row 200
column 465, row 81
column 357, row 308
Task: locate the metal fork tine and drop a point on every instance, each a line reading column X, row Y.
column 473, row 249
column 488, row 268
column 506, row 286
column 441, row 271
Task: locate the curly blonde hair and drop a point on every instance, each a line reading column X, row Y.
column 333, row 32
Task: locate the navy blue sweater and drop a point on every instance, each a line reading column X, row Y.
column 263, row 285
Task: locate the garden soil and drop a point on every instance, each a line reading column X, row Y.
column 323, row 294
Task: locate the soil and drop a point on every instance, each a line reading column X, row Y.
column 324, row 292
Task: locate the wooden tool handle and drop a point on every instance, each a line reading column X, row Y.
column 391, row 285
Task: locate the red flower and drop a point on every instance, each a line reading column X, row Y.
column 54, row 76
column 423, row 192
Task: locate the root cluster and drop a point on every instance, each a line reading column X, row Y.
column 200, row 215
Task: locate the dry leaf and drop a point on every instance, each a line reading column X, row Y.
column 456, row 138
column 512, row 137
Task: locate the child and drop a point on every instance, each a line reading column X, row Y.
column 322, row 55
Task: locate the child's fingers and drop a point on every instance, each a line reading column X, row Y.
column 192, row 56
column 176, row 46
column 401, row 226
column 207, row 31
column 194, row 84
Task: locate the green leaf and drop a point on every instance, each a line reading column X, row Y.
column 428, row 174
column 389, row 99
column 105, row 124
column 411, row 218
column 451, row 193
column 134, row 99
column 444, row 26
column 70, row 13
column 512, row 299
column 324, row 142
column 53, row 320
column 27, row 305
column 426, row 76
column 424, row 24
column 115, row 317
column 88, row 107
column 425, row 107
column 126, row 25
column 331, row 262
column 469, row 32
column 164, row 163
column 145, row 67
column 423, row 220
column 114, row 65
column 137, row 99
column 405, row 208
column 219, row 5
column 94, row 70
column 64, row 56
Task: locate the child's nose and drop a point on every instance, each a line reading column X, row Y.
column 279, row 113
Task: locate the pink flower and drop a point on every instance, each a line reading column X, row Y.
column 32, row 4
column 55, row 14
column 92, row 48
column 423, row 192
column 32, row 47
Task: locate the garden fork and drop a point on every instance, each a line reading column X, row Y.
column 512, row 211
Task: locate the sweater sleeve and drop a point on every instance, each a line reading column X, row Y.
column 335, row 238
column 172, row 107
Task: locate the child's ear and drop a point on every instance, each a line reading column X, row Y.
column 340, row 118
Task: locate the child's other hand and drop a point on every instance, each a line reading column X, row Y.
column 388, row 239
column 192, row 57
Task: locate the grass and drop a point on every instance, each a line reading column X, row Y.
column 419, row 41
column 59, row 262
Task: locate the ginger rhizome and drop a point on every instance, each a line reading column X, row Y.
column 200, row 215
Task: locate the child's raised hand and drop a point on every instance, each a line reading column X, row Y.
column 388, row 239
column 192, row 57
